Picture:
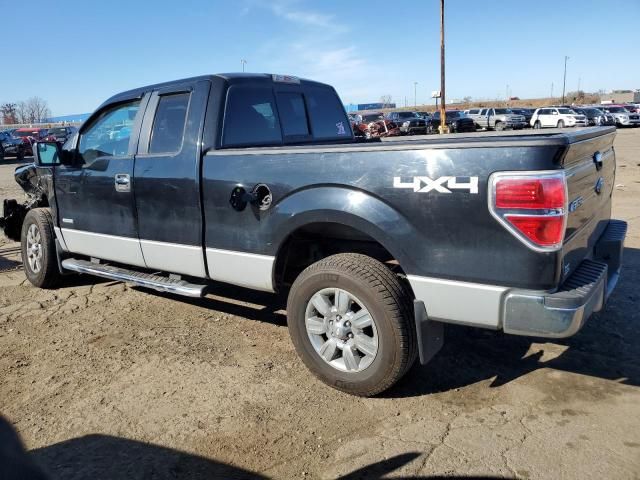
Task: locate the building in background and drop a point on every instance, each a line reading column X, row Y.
column 621, row 96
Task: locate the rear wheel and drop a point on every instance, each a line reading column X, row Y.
column 351, row 321
column 20, row 154
column 1, row 153
column 499, row 126
column 39, row 249
column 560, row 123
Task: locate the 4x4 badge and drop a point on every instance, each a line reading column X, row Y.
column 427, row 184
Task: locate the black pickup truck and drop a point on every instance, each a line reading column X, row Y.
column 256, row 180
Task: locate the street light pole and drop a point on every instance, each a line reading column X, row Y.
column 415, row 94
column 564, row 80
column 443, row 120
column 243, row 62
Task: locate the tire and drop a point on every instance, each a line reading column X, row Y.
column 1, row 153
column 370, row 285
column 537, row 125
column 560, row 123
column 20, row 154
column 498, row 127
column 41, row 268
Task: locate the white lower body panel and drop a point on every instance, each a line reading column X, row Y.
column 107, row 247
column 244, row 269
column 174, row 258
column 460, row 302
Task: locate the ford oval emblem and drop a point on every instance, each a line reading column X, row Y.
column 599, row 185
column 597, row 158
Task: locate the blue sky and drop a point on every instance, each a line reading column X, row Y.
column 75, row 54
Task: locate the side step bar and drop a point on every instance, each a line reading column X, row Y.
column 148, row 280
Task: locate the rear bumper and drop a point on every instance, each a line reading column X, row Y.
column 563, row 313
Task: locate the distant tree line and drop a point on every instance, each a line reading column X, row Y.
column 33, row 110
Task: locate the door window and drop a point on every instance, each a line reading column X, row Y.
column 326, row 113
column 168, row 125
column 109, row 134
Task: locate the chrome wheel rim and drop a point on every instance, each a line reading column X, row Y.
column 34, row 248
column 341, row 330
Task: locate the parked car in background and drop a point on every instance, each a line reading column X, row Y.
column 371, row 125
column 632, row 107
column 595, row 116
column 623, row 117
column 497, row 119
column 456, row 120
column 60, row 134
column 558, row 117
column 409, row 123
column 11, row 146
column 29, row 136
column 425, row 115
column 527, row 113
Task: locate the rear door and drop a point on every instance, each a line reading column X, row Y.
column 167, row 179
column 94, row 196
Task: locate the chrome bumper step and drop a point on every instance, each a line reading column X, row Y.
column 141, row 279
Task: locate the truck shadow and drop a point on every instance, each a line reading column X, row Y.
column 116, row 458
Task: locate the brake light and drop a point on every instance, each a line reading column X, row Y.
column 530, row 193
column 532, row 206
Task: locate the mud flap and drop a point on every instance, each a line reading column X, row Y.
column 430, row 333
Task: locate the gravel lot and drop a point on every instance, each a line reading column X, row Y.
column 103, row 380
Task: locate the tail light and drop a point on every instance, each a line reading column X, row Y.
column 532, row 206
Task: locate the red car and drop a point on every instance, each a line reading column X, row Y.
column 30, row 135
column 371, row 125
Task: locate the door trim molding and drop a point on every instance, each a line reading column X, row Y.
column 174, row 257
column 101, row 245
column 249, row 270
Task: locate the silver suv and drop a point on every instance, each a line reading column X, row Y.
column 497, row 118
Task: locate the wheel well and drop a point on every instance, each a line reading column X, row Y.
column 313, row 242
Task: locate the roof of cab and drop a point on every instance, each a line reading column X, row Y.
column 228, row 78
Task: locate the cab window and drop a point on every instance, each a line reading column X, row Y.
column 168, row 125
column 109, row 134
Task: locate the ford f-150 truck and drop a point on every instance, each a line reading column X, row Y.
column 256, row 180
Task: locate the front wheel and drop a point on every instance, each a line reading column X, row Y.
column 39, row 249
column 351, row 321
column 499, row 126
column 537, row 125
column 560, row 123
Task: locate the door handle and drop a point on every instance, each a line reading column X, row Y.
column 122, row 182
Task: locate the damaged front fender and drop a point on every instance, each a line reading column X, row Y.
column 13, row 212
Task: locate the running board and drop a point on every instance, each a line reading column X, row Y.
column 148, row 280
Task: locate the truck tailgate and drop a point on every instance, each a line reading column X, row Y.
column 590, row 168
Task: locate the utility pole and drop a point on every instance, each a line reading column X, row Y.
column 415, row 94
column 443, row 119
column 507, row 97
column 243, row 62
column 564, row 80
column 579, row 78
column 551, row 90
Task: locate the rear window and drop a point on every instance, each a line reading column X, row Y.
column 250, row 117
column 328, row 120
column 293, row 114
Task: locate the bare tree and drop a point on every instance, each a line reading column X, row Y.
column 37, row 110
column 8, row 111
column 22, row 115
column 385, row 100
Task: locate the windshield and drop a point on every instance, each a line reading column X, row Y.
column 371, row 118
column 406, row 115
column 502, row 111
column 57, row 131
column 455, row 115
column 566, row 111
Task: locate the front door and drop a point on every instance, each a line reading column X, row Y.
column 94, row 195
column 167, row 180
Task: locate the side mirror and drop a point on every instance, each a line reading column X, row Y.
column 47, row 154
column 555, row 113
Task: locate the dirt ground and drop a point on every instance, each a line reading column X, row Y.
column 103, row 380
